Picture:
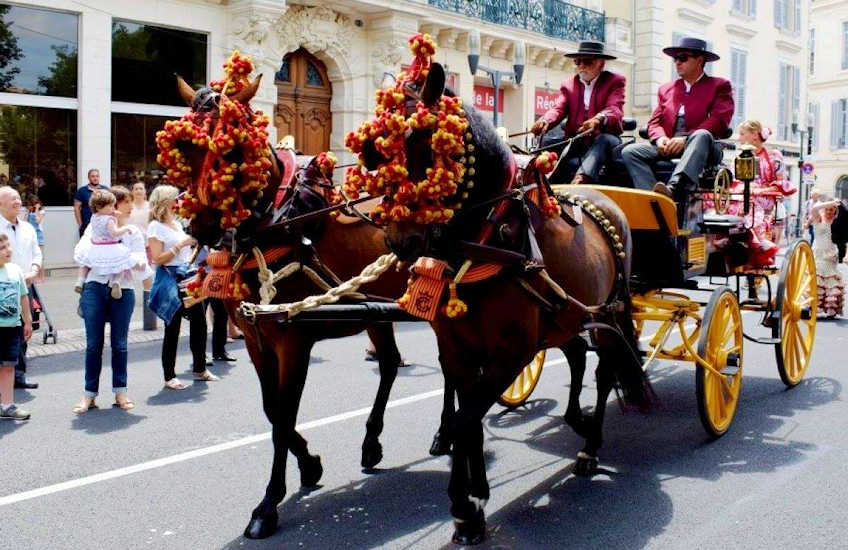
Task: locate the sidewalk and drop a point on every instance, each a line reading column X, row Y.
column 60, row 301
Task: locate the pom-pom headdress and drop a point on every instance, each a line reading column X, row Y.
column 435, row 198
column 229, row 125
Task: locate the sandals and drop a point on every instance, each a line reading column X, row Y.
column 83, row 406
column 175, row 384
column 206, row 376
column 124, row 404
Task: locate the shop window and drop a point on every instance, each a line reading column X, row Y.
column 38, row 152
column 38, row 51
column 134, row 149
column 145, row 58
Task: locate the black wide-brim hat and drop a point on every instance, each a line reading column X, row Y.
column 590, row 48
column 694, row 46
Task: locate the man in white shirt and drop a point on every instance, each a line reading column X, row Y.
column 26, row 254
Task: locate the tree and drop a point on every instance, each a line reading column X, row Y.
column 9, row 50
column 63, row 73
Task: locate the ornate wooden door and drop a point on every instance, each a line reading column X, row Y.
column 303, row 102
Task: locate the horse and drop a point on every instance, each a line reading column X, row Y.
column 280, row 352
column 509, row 316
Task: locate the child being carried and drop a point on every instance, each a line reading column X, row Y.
column 107, row 256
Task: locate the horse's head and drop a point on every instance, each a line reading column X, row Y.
column 451, row 158
column 218, row 155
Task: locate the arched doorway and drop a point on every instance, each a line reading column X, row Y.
column 303, row 102
column 842, row 188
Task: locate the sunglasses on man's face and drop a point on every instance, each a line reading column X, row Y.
column 583, row 61
column 683, row 58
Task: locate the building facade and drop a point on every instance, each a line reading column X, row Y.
column 87, row 85
column 828, row 94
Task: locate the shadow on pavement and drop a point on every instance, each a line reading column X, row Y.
column 622, row 506
column 195, row 393
column 105, row 419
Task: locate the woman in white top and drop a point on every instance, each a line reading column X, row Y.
column 170, row 250
column 140, row 215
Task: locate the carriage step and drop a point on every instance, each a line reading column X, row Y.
column 730, row 370
column 767, row 341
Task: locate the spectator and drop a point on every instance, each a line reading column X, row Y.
column 170, row 251
column 99, row 305
column 26, row 254
column 140, row 215
column 839, row 229
column 35, row 215
column 831, row 287
column 14, row 307
column 815, row 196
column 82, row 211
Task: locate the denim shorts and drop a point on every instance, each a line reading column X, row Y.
column 10, row 345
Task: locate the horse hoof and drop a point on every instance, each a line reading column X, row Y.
column 310, row 471
column 372, row 454
column 261, row 527
column 585, row 465
column 470, row 532
column 441, row 445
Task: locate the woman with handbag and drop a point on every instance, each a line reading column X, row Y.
column 170, row 250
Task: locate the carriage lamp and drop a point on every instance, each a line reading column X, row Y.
column 745, row 167
column 474, row 63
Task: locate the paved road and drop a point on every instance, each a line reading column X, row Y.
column 184, row 470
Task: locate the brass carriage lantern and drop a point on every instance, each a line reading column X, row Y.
column 746, row 164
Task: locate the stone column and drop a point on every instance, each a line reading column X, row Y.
column 651, row 66
column 251, row 24
column 95, row 92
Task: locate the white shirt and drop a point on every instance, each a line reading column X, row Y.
column 169, row 236
column 588, row 87
column 135, row 242
column 25, row 250
column 140, row 217
column 682, row 110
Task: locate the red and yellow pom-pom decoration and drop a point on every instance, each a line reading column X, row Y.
column 326, row 163
column 546, row 162
column 455, row 307
column 422, row 201
column 221, row 185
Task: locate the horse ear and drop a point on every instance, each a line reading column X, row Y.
column 186, row 91
column 434, row 86
column 247, row 94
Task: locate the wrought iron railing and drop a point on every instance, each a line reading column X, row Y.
column 555, row 18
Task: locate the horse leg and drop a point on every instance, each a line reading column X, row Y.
column 469, row 487
column 443, row 438
column 575, row 353
column 309, row 465
column 587, row 459
column 389, row 359
column 282, row 388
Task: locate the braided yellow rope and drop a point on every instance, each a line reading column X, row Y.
column 268, row 279
column 346, row 289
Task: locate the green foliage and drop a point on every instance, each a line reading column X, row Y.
column 63, row 73
column 9, row 50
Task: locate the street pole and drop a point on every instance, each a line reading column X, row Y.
column 494, row 74
column 801, row 185
column 496, row 84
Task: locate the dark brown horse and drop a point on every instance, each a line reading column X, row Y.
column 280, row 353
column 506, row 325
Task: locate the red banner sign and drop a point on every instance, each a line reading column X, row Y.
column 484, row 98
column 544, row 100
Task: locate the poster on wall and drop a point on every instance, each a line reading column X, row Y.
column 543, row 100
column 484, row 98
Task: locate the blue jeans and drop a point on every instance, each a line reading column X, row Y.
column 98, row 308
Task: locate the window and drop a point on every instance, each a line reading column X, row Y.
column 738, row 72
column 787, row 15
column 134, row 148
column 839, row 124
column 812, row 47
column 842, row 188
column 38, row 152
column 145, row 58
column 788, row 100
column 845, row 45
column 38, row 51
column 744, row 7
column 813, row 121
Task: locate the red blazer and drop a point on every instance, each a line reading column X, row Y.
column 708, row 106
column 607, row 98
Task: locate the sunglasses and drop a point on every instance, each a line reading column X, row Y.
column 683, row 58
column 583, row 61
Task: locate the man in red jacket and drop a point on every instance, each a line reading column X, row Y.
column 592, row 101
column 692, row 113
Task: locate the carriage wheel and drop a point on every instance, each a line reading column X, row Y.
column 518, row 392
column 720, row 346
column 797, row 301
column 721, row 190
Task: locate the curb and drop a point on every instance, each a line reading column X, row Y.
column 72, row 340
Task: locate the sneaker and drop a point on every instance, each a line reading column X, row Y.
column 12, row 412
column 116, row 290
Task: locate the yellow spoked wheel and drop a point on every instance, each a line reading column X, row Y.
column 797, row 301
column 721, row 190
column 518, row 392
column 720, row 347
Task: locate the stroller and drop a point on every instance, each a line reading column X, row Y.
column 38, row 310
